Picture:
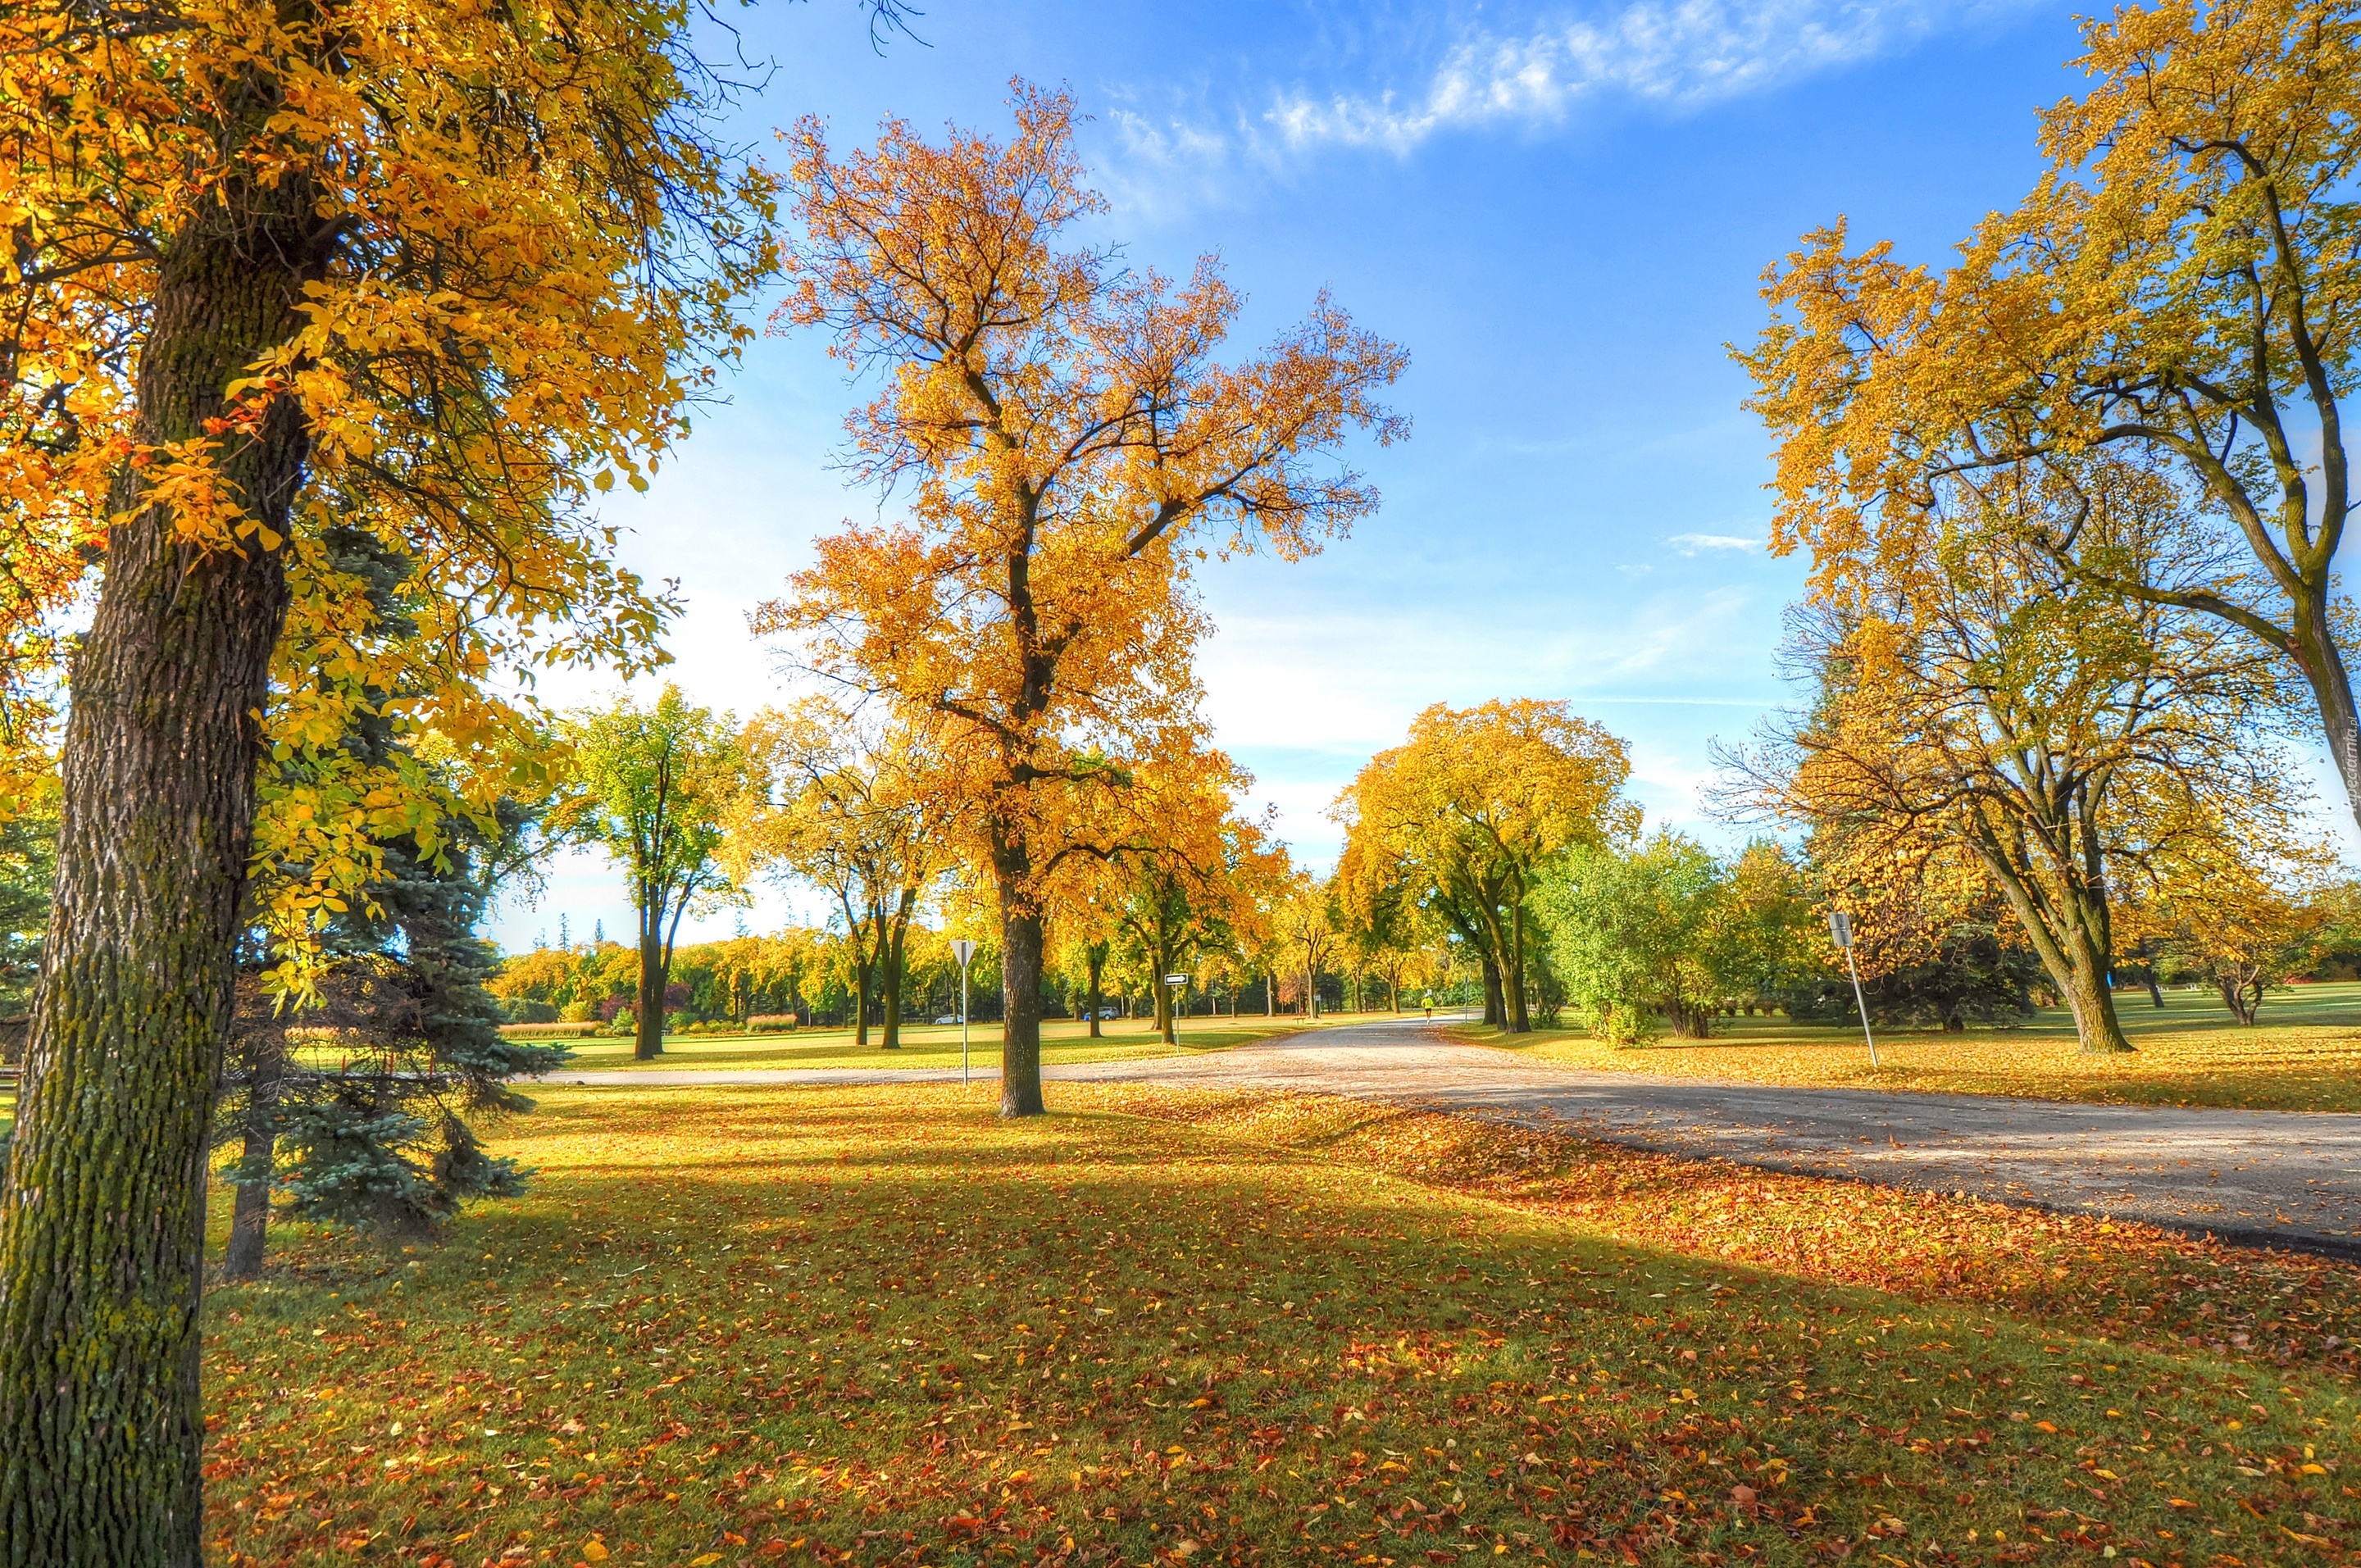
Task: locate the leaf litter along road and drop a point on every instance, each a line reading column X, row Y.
column 2287, row 1177
column 880, row 1325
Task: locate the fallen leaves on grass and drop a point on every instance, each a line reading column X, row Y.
column 2277, row 1066
column 2138, row 1283
column 882, row 1326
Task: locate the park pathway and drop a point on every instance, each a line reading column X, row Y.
column 2287, row 1178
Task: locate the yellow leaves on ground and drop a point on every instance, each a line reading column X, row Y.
column 754, row 1325
column 2192, row 1054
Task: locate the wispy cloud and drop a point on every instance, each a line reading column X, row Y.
column 1679, row 52
column 1697, row 543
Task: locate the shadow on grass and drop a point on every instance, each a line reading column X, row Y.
column 885, row 1326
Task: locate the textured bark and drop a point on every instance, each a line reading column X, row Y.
column 889, row 989
column 892, row 965
column 249, row 1223
column 1020, row 982
column 2332, row 689
column 2092, row 1002
column 2241, row 994
column 1521, row 1019
column 647, row 1026
column 101, row 1214
column 2067, row 920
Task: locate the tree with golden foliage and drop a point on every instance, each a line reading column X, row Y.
column 1187, row 879
column 1992, row 701
column 2243, row 932
column 2245, row 916
column 2180, row 287
column 1463, row 816
column 1067, row 445
column 1305, row 933
column 1081, row 941
column 443, row 271
column 864, row 809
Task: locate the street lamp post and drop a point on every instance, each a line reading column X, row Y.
column 963, row 950
column 1840, row 928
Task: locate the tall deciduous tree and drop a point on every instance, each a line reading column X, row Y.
column 2062, row 735
column 1185, row 878
column 1068, row 441
column 659, row 789
column 2183, row 283
column 1467, row 813
column 866, row 809
column 1305, row 928
column 448, row 267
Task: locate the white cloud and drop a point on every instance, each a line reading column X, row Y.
column 1693, row 544
column 1680, row 54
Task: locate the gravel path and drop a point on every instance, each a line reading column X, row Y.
column 2287, row 1178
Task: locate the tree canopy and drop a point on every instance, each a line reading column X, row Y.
column 1065, row 437
column 1463, row 816
column 2179, row 288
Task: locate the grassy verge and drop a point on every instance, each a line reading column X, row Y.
column 881, row 1326
column 2305, row 1056
column 930, row 1045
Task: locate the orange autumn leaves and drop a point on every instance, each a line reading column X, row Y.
column 860, row 1321
column 1066, row 444
column 528, row 254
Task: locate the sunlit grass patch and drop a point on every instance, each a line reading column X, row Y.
column 2304, row 1056
column 881, row 1325
column 928, row 1044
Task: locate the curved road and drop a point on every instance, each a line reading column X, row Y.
column 2287, row 1178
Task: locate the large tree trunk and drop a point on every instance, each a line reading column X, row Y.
column 647, row 1033
column 864, row 969
column 2060, row 904
column 1495, row 1013
column 1521, row 1022
column 102, row 1214
column 890, row 971
column 2092, row 1002
column 889, row 993
column 249, row 1222
column 1021, row 981
column 2323, row 662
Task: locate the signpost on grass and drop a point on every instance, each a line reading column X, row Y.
column 1177, row 981
column 963, row 950
column 1840, row 928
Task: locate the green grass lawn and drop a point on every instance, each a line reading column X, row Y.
column 881, row 1325
column 933, row 1044
column 2304, row 1056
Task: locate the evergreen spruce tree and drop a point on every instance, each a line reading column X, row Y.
column 357, row 1107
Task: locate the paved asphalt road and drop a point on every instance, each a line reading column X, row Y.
column 2287, row 1177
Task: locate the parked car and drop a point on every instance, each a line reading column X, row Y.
column 948, row 1018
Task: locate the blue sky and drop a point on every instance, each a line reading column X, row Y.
column 1561, row 211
